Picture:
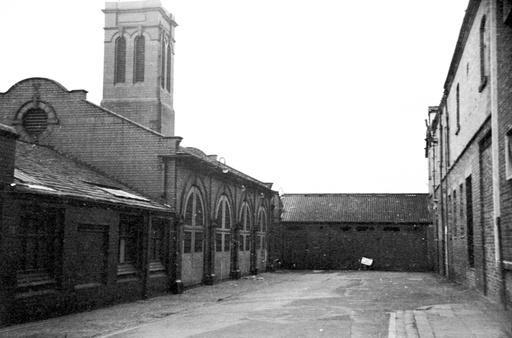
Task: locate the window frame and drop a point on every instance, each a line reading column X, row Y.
column 139, row 58
column 120, row 60
column 508, row 155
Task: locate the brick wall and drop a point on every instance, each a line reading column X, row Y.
column 504, row 42
column 341, row 246
column 8, row 138
column 108, row 142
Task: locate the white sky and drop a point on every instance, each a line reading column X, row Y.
column 313, row 95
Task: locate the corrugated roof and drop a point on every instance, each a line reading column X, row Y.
column 357, row 208
column 42, row 170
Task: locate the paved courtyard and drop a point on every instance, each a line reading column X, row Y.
column 294, row 304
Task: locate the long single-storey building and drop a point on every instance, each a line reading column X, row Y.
column 334, row 231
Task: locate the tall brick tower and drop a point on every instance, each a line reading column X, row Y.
column 139, row 62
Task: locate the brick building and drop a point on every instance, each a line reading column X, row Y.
column 121, row 164
column 334, row 231
column 468, row 148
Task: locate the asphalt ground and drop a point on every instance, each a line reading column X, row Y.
column 295, row 304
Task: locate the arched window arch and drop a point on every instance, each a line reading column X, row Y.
column 245, row 217
column 138, row 58
column 168, row 73
column 162, row 63
column 120, row 60
column 262, row 220
column 194, row 208
column 223, row 213
column 483, row 54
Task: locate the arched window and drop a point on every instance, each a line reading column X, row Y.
column 168, row 74
column 245, row 232
column 223, row 221
column 483, row 54
column 138, row 59
column 223, row 213
column 245, row 217
column 262, row 220
column 120, row 60
column 162, row 63
column 194, row 208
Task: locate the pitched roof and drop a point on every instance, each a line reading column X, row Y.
column 41, row 170
column 200, row 155
column 356, row 208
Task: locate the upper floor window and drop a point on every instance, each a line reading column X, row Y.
column 457, row 99
column 483, row 55
column 194, row 208
column 120, row 60
column 138, row 59
column 223, row 213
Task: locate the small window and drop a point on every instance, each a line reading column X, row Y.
column 362, row 228
column 38, row 240
column 157, row 245
column 129, row 238
column 35, row 121
column 508, row 154
column 187, row 242
column 345, row 228
column 198, row 241
column 392, row 229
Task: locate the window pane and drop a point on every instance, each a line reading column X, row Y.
column 198, row 241
column 199, row 212
column 227, row 217
column 247, row 243
column 138, row 73
column 241, row 243
column 187, row 242
column 227, row 242
column 218, row 241
column 120, row 60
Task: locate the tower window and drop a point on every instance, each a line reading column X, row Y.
column 120, row 60
column 35, row 121
column 168, row 73
column 138, row 64
column 162, row 65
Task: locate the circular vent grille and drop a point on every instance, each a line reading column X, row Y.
column 35, row 121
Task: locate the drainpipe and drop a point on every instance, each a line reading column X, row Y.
column 493, row 69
